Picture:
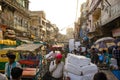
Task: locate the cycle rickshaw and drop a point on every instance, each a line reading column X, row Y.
column 30, row 58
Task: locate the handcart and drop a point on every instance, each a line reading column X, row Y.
column 30, row 58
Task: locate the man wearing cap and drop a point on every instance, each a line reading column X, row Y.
column 56, row 67
column 11, row 64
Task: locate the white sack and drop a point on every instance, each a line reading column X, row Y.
column 74, row 77
column 88, row 77
column 89, row 69
column 84, row 70
column 72, row 68
column 78, row 60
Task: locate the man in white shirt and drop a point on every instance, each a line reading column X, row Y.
column 56, row 67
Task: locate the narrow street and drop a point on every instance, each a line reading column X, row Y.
column 76, row 39
column 109, row 74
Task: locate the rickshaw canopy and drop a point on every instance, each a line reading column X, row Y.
column 28, row 47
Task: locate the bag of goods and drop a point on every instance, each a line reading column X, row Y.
column 74, row 77
column 84, row 70
column 78, row 60
column 89, row 69
column 88, row 77
column 72, row 69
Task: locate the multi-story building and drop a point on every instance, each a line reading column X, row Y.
column 77, row 30
column 14, row 18
column 41, row 28
column 50, row 31
column 70, row 33
column 38, row 25
column 81, row 29
column 53, row 34
column 103, row 18
column 110, row 18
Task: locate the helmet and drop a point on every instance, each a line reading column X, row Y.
column 58, row 56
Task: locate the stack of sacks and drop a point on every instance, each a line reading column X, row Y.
column 79, row 67
column 78, row 60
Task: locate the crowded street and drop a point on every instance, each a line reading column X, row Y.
column 59, row 39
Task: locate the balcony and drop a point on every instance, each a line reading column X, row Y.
column 16, row 5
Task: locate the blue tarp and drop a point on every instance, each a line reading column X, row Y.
column 116, row 73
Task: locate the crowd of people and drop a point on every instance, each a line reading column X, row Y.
column 101, row 56
column 56, row 67
column 13, row 69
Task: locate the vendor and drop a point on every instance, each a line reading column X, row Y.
column 56, row 67
column 11, row 64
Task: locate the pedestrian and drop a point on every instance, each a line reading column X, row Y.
column 106, row 57
column 116, row 55
column 16, row 73
column 94, row 56
column 51, row 55
column 100, row 76
column 11, row 64
column 56, row 67
column 3, row 77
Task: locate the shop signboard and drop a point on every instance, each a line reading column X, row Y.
column 116, row 32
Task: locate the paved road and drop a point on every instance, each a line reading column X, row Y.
column 109, row 75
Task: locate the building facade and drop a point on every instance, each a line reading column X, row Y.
column 41, row 28
column 81, row 25
column 52, row 32
column 101, row 18
column 104, row 17
column 38, row 25
column 14, row 18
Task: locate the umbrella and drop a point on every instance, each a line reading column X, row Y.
column 105, row 42
column 104, row 39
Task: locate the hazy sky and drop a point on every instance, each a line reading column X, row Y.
column 59, row 12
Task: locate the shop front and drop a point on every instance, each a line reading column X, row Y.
column 116, row 32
